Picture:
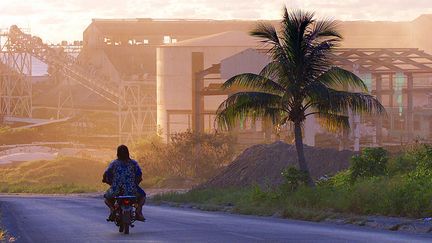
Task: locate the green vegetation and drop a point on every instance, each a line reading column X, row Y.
column 374, row 185
column 64, row 175
column 188, row 159
column 294, row 178
column 300, row 81
column 372, row 162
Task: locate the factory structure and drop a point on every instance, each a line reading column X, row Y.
column 137, row 77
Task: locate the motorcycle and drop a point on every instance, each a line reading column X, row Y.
column 125, row 212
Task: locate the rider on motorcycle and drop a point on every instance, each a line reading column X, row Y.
column 124, row 176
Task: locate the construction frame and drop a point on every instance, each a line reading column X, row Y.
column 133, row 102
column 393, row 75
column 15, row 78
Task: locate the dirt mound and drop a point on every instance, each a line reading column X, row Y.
column 262, row 164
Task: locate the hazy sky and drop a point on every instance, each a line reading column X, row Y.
column 56, row 20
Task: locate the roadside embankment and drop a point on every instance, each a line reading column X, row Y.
column 388, row 191
column 255, row 202
column 262, row 164
column 62, row 175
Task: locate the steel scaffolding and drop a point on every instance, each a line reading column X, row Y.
column 135, row 101
column 136, row 119
column 15, row 73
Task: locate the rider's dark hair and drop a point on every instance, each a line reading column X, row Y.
column 123, row 152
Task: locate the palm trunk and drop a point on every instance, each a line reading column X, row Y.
column 300, row 152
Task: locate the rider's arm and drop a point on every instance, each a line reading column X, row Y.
column 138, row 173
column 108, row 175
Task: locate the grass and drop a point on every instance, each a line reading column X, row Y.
column 390, row 196
column 399, row 186
column 249, row 201
column 63, row 175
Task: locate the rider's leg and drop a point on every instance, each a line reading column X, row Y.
column 110, row 203
column 140, row 204
column 141, row 198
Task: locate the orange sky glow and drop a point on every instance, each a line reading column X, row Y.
column 56, row 20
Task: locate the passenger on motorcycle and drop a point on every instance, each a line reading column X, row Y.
column 124, row 176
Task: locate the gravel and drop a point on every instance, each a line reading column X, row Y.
column 262, row 164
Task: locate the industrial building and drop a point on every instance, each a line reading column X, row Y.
column 391, row 57
column 150, row 75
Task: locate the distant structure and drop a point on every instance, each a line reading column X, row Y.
column 391, row 57
column 15, row 79
column 135, row 77
column 126, row 50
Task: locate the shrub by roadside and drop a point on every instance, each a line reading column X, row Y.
column 374, row 185
column 188, row 159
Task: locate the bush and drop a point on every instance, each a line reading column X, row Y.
column 406, row 192
column 294, row 178
column 417, row 156
column 341, row 179
column 199, row 156
column 188, row 155
column 371, row 162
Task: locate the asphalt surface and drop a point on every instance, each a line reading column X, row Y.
column 82, row 219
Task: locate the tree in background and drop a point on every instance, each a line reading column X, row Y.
column 300, row 81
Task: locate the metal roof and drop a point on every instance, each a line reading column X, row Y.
column 223, row 39
column 383, row 60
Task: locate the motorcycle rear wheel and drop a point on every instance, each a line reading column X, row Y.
column 126, row 229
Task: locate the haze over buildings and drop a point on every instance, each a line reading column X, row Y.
column 64, row 20
column 135, row 76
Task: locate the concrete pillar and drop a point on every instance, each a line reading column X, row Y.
column 267, row 128
column 410, row 107
column 344, row 140
column 378, row 90
column 391, row 93
column 356, row 122
column 168, row 131
column 391, row 101
column 310, row 128
column 197, row 98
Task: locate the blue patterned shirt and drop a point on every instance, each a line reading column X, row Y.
column 123, row 176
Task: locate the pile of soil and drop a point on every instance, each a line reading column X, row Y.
column 262, row 164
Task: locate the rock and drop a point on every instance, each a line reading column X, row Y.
column 227, row 209
column 278, row 215
column 336, row 220
column 420, row 227
column 407, row 228
column 394, row 227
column 388, row 223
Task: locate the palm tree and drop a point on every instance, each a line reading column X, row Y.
column 300, row 81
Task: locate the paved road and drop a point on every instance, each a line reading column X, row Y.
column 82, row 219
